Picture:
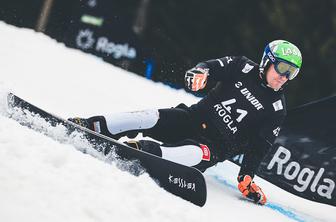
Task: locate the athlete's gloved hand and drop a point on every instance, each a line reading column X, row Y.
column 250, row 190
column 196, row 78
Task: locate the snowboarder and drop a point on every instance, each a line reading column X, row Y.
column 242, row 114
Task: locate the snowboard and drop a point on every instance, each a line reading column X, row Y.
column 183, row 181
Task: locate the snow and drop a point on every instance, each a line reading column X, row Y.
column 43, row 180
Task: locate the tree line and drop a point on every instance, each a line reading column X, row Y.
column 182, row 33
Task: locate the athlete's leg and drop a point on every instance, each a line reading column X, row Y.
column 187, row 152
column 166, row 125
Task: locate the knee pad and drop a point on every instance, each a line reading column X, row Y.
column 186, row 153
column 99, row 125
column 119, row 123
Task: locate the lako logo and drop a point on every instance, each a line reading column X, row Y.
column 305, row 177
column 85, row 40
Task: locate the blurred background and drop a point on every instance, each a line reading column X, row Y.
column 160, row 40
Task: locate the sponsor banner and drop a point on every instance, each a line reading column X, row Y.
column 97, row 28
column 89, row 40
column 303, row 159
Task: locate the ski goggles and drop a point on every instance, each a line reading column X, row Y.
column 282, row 67
column 285, row 69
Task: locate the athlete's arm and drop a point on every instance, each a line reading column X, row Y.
column 261, row 142
column 223, row 69
column 259, row 145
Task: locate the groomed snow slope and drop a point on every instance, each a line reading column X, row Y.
column 43, row 180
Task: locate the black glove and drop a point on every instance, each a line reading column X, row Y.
column 196, row 78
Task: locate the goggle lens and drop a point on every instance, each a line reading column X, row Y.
column 286, row 69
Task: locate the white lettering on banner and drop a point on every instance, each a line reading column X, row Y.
column 116, row 50
column 85, row 41
column 304, row 176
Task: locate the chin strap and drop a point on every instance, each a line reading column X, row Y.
column 262, row 72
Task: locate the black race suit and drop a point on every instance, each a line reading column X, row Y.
column 241, row 115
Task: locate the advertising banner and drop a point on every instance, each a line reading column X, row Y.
column 303, row 159
column 97, row 27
